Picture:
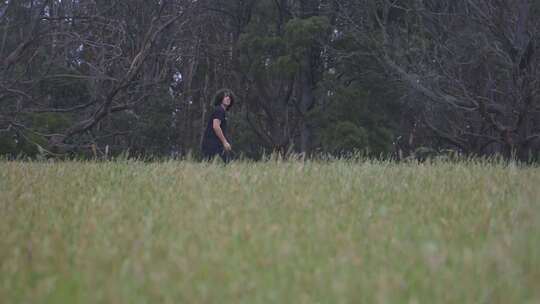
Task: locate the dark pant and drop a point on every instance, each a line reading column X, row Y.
column 210, row 153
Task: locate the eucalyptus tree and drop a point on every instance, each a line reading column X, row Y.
column 472, row 68
column 76, row 63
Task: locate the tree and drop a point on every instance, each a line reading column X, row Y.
column 280, row 56
column 471, row 66
column 111, row 56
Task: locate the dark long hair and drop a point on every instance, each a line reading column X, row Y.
column 218, row 98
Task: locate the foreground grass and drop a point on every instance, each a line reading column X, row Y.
column 291, row 232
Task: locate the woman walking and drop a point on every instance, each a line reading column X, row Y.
column 215, row 141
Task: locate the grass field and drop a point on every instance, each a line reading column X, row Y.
column 269, row 232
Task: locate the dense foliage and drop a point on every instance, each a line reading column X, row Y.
column 387, row 78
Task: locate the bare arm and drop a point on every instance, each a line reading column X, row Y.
column 216, row 125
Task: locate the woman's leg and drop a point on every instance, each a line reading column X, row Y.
column 210, row 154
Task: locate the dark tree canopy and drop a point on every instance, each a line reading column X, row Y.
column 387, row 78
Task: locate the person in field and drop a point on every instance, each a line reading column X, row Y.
column 215, row 141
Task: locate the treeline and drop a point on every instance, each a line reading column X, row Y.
column 386, row 78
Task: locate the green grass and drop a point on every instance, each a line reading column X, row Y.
column 269, row 232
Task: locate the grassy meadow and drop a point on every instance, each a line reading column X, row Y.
column 269, row 232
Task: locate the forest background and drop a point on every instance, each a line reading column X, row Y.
column 384, row 78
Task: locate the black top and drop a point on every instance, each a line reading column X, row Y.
column 210, row 139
